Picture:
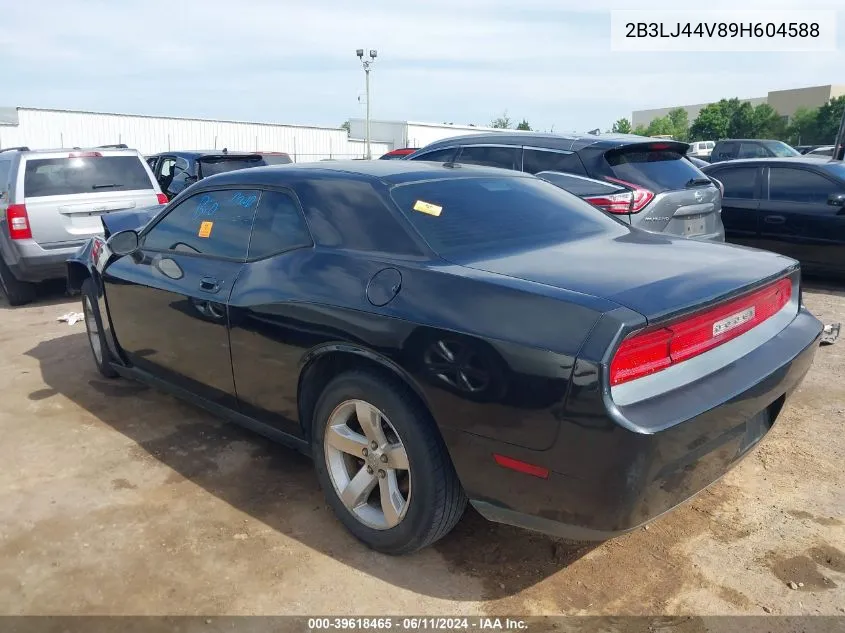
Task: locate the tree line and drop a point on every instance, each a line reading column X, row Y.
column 732, row 118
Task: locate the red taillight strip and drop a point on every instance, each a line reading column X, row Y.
column 654, row 349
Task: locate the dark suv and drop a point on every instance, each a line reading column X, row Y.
column 646, row 182
column 731, row 148
column 175, row 171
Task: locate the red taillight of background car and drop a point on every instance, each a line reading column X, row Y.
column 652, row 350
column 18, row 222
column 162, row 198
column 632, row 201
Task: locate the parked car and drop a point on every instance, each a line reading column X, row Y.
column 51, row 202
column 825, row 151
column 434, row 333
column 793, row 206
column 701, row 149
column 175, row 171
column 645, row 182
column 398, row 154
column 276, row 158
column 730, row 149
column 803, row 149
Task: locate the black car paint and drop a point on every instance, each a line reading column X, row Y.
column 256, row 351
column 812, row 233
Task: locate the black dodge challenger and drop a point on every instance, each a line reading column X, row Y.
column 436, row 333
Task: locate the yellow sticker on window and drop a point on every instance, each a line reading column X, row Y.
column 205, row 229
column 427, row 207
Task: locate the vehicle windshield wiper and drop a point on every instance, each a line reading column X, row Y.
column 106, row 186
column 695, row 182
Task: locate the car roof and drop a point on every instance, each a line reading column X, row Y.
column 570, row 142
column 199, row 153
column 786, row 160
column 386, row 171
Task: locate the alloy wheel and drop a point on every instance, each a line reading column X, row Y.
column 367, row 464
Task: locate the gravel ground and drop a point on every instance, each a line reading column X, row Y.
column 116, row 499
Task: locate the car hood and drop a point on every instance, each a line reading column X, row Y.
column 652, row 274
column 118, row 221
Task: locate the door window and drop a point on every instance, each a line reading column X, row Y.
column 738, row 182
column 537, row 160
column 505, row 157
column 799, row 185
column 215, row 223
column 752, row 150
column 439, row 155
column 279, row 226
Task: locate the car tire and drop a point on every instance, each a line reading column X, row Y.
column 432, row 497
column 17, row 292
column 94, row 328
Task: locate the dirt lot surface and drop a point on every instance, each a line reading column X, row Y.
column 116, row 499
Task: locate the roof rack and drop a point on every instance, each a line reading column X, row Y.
column 22, row 148
column 113, row 146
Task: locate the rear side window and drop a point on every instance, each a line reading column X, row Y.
column 537, row 160
column 656, row 170
column 799, row 185
column 216, row 223
column 504, row 157
column 84, row 174
column 210, row 167
column 739, row 182
column 474, row 214
column 278, row 227
column 439, row 155
column 5, row 167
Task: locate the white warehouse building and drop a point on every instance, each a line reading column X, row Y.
column 38, row 128
column 41, row 128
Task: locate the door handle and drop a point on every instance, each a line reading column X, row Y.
column 774, row 219
column 209, row 284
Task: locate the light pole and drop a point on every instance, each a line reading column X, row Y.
column 367, row 63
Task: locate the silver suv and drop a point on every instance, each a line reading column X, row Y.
column 51, row 202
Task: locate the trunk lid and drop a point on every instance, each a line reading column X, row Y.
column 654, row 275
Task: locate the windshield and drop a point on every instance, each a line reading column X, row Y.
column 84, row 174
column 210, row 167
column 781, row 149
column 474, row 214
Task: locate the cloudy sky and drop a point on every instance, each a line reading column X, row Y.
column 463, row 61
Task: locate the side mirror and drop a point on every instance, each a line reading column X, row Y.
column 836, row 200
column 123, row 243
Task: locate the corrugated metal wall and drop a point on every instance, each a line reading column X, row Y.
column 41, row 129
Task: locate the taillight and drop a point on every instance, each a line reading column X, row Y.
column 85, row 155
column 632, row 201
column 651, row 350
column 162, row 198
column 18, row 222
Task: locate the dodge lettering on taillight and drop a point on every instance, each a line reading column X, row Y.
column 735, row 320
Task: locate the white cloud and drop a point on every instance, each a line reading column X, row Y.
column 462, row 61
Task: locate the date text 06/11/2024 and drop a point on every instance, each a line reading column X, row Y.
column 417, row 624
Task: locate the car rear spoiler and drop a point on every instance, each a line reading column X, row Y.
column 657, row 144
column 216, row 158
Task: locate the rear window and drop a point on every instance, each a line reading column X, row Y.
column 475, row 214
column 210, row 167
column 88, row 174
column 656, row 170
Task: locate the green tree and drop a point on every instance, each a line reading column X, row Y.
column 679, row 120
column 503, row 122
column 803, row 127
column 828, row 118
column 523, row 125
column 345, row 126
column 622, row 126
column 641, row 130
column 661, row 126
column 767, row 123
column 711, row 124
